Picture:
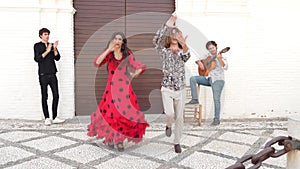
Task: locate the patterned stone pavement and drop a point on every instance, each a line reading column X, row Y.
column 30, row 144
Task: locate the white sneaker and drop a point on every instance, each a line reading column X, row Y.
column 58, row 120
column 47, row 122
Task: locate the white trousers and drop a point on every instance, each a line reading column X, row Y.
column 173, row 102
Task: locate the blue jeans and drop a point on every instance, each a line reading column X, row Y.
column 217, row 88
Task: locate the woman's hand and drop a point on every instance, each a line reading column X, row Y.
column 111, row 46
column 136, row 73
column 171, row 22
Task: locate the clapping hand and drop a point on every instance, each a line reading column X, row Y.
column 49, row 47
column 55, row 44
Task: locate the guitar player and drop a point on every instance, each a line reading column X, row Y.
column 215, row 77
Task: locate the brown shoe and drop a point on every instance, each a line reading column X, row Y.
column 177, row 148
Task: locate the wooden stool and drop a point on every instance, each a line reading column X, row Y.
column 196, row 108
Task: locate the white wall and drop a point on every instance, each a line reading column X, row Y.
column 21, row 20
column 264, row 73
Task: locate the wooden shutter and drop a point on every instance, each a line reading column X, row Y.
column 95, row 21
column 146, row 17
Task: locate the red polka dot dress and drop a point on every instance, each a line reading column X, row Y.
column 118, row 116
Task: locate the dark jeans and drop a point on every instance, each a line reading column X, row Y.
column 50, row 80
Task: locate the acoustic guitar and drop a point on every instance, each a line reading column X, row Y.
column 209, row 63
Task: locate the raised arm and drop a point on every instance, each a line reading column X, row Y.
column 182, row 41
column 101, row 59
column 159, row 37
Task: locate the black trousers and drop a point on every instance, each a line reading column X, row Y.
column 51, row 80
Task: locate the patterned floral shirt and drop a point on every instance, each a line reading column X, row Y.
column 172, row 66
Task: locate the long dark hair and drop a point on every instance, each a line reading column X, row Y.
column 124, row 49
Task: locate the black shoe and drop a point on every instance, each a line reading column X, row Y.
column 215, row 122
column 177, row 148
column 193, row 101
column 111, row 146
column 168, row 131
column 120, row 147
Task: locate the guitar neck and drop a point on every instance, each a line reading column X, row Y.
column 209, row 61
column 213, row 58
